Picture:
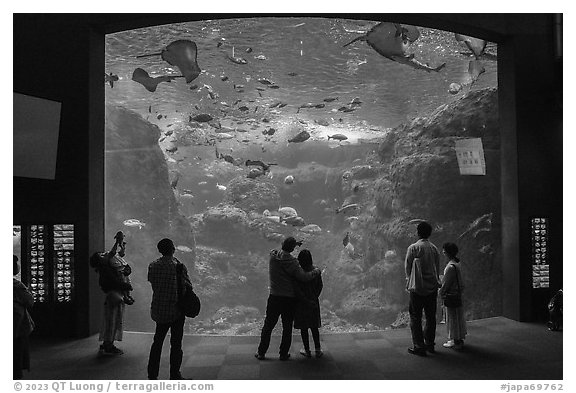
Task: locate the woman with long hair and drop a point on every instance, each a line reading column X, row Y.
column 451, row 293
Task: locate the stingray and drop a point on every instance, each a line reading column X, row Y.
column 141, row 76
column 182, row 54
column 476, row 45
column 475, row 69
column 392, row 40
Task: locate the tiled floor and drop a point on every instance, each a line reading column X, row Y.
column 496, row 348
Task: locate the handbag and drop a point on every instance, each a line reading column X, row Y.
column 454, row 300
column 188, row 302
column 415, row 282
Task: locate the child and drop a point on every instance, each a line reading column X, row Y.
column 117, row 261
column 307, row 314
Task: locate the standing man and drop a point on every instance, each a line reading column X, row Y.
column 164, row 311
column 422, row 265
column 284, row 269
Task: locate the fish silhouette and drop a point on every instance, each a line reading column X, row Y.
column 110, row 78
column 392, row 41
column 182, row 54
column 300, row 137
column 346, row 239
column 150, row 83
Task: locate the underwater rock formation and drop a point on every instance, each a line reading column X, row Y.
column 137, row 187
column 252, row 194
column 367, row 306
column 423, row 181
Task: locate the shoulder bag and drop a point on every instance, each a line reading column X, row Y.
column 188, row 302
column 415, row 282
column 454, row 300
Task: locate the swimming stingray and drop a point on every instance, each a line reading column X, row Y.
column 182, row 54
column 392, row 40
column 141, row 76
column 475, row 69
column 476, row 45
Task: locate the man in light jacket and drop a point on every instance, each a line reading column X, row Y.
column 422, row 265
column 284, row 269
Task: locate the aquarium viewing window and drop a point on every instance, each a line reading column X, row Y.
column 230, row 135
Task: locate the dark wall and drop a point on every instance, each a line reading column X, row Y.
column 61, row 57
column 56, row 62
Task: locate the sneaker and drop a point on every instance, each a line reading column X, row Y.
column 285, row 357
column 417, row 351
column 305, row 352
column 113, row 351
column 319, row 353
column 449, row 344
column 259, row 356
column 430, row 348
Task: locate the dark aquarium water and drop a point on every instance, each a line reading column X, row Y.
column 229, row 135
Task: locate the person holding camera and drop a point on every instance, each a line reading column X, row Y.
column 113, row 278
column 284, row 272
column 118, row 262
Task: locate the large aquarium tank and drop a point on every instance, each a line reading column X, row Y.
column 229, row 135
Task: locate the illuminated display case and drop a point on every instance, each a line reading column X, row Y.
column 63, row 262
column 540, row 227
column 37, row 263
column 48, row 262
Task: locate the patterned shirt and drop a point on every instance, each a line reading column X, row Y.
column 162, row 276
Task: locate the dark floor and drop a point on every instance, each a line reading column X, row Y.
column 495, row 349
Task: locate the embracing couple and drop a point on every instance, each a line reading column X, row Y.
column 295, row 285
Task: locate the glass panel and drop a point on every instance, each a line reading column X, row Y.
column 229, row 135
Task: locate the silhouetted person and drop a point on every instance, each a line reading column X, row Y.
column 555, row 308
column 284, row 270
column 453, row 284
column 23, row 300
column 422, row 264
column 307, row 314
column 164, row 310
column 113, row 283
column 117, row 260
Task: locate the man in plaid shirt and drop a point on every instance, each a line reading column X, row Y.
column 164, row 311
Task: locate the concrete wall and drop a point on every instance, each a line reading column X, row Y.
column 61, row 57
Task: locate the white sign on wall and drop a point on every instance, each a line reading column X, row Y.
column 470, row 155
